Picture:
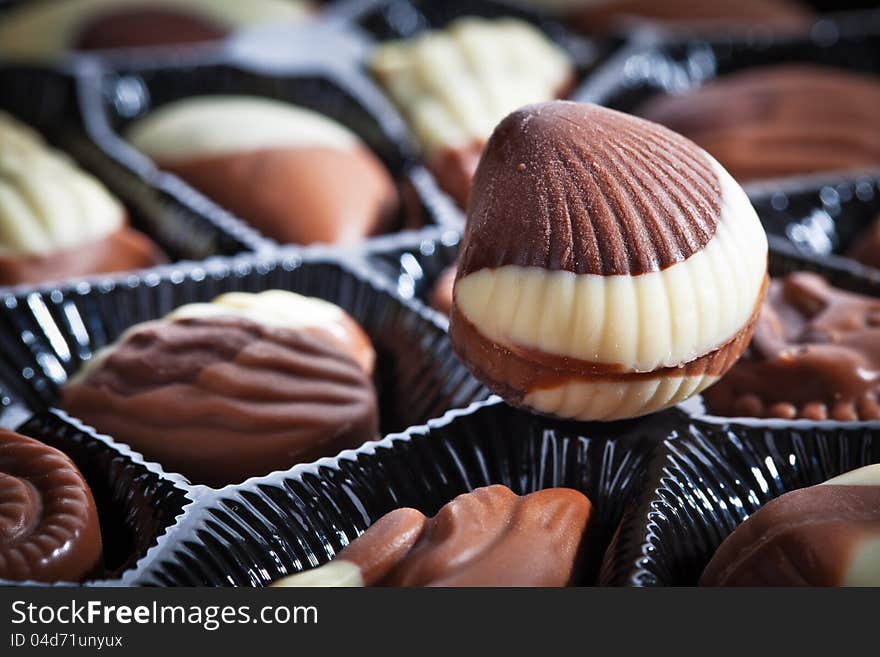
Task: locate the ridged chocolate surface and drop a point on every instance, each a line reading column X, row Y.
column 576, row 187
column 805, row 538
column 48, row 522
column 815, row 354
column 224, row 398
column 780, row 120
column 489, row 537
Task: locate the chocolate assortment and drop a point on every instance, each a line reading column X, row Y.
column 265, row 265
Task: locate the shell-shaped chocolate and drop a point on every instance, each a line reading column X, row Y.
column 221, row 392
column 488, row 537
column 602, row 249
column 49, row 527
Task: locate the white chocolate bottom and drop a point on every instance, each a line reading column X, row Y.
column 615, row 400
column 335, row 573
column 864, row 566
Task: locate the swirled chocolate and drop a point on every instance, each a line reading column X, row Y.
column 782, row 120
column 49, row 527
column 295, row 175
column 489, row 537
column 866, row 247
column 609, row 267
column 224, row 391
column 815, row 354
column 825, row 535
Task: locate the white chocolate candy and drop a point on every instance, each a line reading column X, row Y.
column 454, row 85
column 47, row 203
column 47, row 28
column 338, row 572
column 206, row 126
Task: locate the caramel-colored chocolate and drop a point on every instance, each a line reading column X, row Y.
column 866, row 247
column 134, row 27
column 223, row 398
column 441, row 293
column 122, row 250
column 782, row 120
column 454, row 169
column 815, row 354
column 299, row 195
column 489, row 537
column 807, row 537
column 588, row 190
column 781, row 15
column 49, row 528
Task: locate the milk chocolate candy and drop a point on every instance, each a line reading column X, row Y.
column 609, row 267
column 293, row 174
column 49, row 527
column 454, row 85
column 815, row 354
column 489, row 537
column 46, row 28
column 242, row 386
column 56, row 221
column 441, row 293
column 782, row 120
column 597, row 16
column 825, row 535
column 866, row 247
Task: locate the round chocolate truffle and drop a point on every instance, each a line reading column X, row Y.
column 784, row 120
column 295, row 175
column 609, row 267
column 454, row 85
column 242, row 386
column 815, row 354
column 489, row 537
column 48, row 28
column 825, row 535
column 596, row 16
column 56, row 221
column 49, row 527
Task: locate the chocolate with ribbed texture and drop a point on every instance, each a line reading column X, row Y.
column 49, row 527
column 223, row 398
column 588, row 190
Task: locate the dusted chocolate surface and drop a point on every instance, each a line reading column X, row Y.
column 489, row 537
column 146, row 26
column 808, row 537
column 441, row 294
column 298, row 195
column 777, row 14
column 815, row 354
column 49, row 527
column 866, row 247
column 780, row 120
column 590, row 191
column 122, row 250
column 223, row 398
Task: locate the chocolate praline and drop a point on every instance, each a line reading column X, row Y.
column 49, row 528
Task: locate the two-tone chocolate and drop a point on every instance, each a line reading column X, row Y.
column 242, row 386
column 57, row 221
column 825, row 535
column 783, row 120
column 46, row 28
column 49, row 528
column 454, row 85
column 815, row 354
column 609, row 267
column 295, row 175
column 597, row 16
column 489, row 537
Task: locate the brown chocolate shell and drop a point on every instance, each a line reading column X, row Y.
column 221, row 399
column 588, row 190
column 49, row 528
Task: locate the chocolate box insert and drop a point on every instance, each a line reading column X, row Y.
column 51, row 334
column 287, row 522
